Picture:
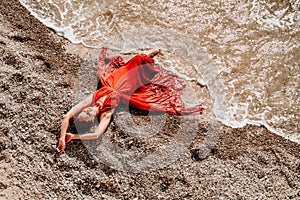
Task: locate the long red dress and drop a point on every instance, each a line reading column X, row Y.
column 141, row 84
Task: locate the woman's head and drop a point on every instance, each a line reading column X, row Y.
column 88, row 114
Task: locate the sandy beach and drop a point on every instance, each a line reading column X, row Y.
column 37, row 77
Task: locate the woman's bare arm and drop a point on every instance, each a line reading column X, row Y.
column 80, row 106
column 104, row 122
column 65, row 122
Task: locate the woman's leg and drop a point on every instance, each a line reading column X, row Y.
column 154, row 53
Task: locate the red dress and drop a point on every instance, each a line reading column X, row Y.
column 141, row 84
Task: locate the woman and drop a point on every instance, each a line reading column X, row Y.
column 138, row 83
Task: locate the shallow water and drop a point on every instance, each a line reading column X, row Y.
column 246, row 52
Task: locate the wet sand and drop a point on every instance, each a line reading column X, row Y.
column 37, row 77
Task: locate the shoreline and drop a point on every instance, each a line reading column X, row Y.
column 37, row 78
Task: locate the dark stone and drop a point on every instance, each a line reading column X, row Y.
column 21, row 39
column 17, row 77
column 10, row 60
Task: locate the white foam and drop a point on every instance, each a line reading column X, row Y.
column 65, row 31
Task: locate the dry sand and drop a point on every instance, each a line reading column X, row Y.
column 36, row 79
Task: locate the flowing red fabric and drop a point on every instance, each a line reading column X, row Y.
column 142, row 84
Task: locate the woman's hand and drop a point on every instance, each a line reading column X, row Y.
column 69, row 137
column 61, row 145
column 62, row 142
